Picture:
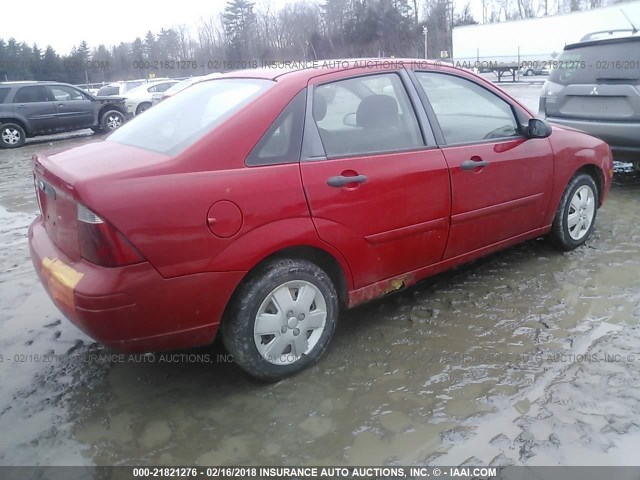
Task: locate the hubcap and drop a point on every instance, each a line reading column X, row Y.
column 581, row 212
column 10, row 136
column 113, row 122
column 290, row 322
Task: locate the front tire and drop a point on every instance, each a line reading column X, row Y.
column 281, row 320
column 111, row 120
column 143, row 107
column 12, row 135
column 576, row 215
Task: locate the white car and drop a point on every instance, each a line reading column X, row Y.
column 118, row 89
column 178, row 87
column 140, row 98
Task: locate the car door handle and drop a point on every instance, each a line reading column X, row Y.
column 473, row 164
column 341, row 180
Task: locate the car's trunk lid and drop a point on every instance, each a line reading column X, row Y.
column 598, row 80
column 596, row 101
column 66, row 179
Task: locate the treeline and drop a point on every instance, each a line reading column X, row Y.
column 245, row 33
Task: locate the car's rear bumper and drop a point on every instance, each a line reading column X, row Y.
column 622, row 137
column 132, row 308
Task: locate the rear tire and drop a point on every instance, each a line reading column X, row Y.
column 12, row 135
column 111, row 120
column 281, row 320
column 576, row 214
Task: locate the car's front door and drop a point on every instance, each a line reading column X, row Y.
column 34, row 104
column 74, row 108
column 500, row 179
column 377, row 191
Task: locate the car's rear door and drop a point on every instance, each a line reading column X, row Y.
column 501, row 180
column 34, row 104
column 377, row 185
column 74, row 109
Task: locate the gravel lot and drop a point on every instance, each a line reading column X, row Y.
column 526, row 357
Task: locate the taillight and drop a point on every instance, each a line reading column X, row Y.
column 102, row 244
column 38, row 190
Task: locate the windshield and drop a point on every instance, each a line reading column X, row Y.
column 175, row 124
column 131, row 85
column 108, row 91
column 615, row 61
column 178, row 87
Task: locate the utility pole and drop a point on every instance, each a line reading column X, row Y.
column 424, row 31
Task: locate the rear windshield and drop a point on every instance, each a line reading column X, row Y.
column 107, row 91
column 3, row 94
column 614, row 61
column 175, row 124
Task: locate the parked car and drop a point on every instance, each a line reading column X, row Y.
column 157, row 97
column 120, row 88
column 263, row 202
column 595, row 89
column 92, row 88
column 28, row 109
column 140, row 98
column 528, row 70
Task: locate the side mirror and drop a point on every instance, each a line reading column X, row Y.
column 538, row 128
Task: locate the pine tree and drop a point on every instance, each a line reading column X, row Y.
column 239, row 21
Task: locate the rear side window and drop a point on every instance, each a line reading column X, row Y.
column 172, row 126
column 365, row 115
column 4, row 92
column 32, row 94
column 283, row 140
column 613, row 61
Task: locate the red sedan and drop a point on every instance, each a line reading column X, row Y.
column 262, row 202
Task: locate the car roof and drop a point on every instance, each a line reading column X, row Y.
column 24, row 82
column 309, row 69
column 612, row 37
column 34, row 82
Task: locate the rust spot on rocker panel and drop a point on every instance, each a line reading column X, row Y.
column 380, row 289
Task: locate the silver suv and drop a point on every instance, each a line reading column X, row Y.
column 595, row 87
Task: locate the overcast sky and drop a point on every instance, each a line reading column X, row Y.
column 65, row 23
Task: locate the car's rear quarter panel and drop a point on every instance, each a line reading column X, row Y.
column 164, row 213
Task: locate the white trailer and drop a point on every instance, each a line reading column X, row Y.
column 536, row 39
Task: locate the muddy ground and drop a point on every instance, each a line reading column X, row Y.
column 526, row 357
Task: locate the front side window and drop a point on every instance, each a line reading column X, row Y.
column 33, row 94
column 62, row 93
column 108, row 91
column 172, row 126
column 365, row 115
column 465, row 111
